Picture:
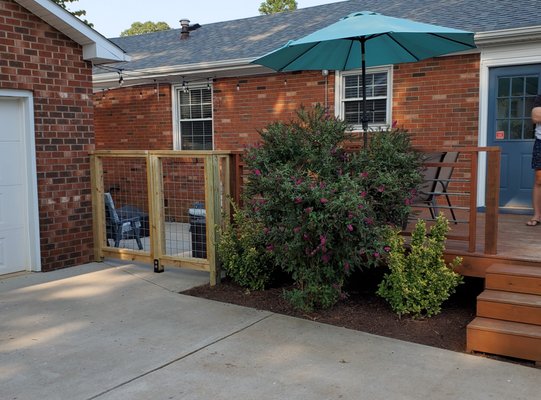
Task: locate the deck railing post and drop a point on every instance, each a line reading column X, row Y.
column 236, row 177
column 474, row 163
column 492, row 201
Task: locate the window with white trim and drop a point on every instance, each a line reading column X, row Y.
column 378, row 97
column 195, row 118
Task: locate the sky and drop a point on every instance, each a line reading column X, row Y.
column 110, row 17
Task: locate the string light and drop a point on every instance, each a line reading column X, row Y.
column 208, row 83
column 120, row 78
column 238, row 86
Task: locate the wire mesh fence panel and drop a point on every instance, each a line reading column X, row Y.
column 184, row 208
column 127, row 220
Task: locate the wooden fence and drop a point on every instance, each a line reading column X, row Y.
column 177, row 195
column 171, row 202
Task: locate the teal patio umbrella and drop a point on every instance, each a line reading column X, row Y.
column 366, row 39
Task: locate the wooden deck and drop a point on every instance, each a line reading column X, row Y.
column 517, row 244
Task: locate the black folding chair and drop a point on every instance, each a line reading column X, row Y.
column 436, row 180
column 119, row 228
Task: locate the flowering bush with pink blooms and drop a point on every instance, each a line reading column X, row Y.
column 325, row 212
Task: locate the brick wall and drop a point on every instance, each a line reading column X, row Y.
column 36, row 57
column 260, row 100
column 134, row 118
column 437, row 100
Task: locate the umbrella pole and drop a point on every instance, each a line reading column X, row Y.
column 364, row 119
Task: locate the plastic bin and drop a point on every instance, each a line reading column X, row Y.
column 198, row 229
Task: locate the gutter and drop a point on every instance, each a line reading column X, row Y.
column 216, row 68
column 502, row 37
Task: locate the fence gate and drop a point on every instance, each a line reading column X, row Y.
column 160, row 207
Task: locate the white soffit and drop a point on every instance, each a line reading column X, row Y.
column 96, row 48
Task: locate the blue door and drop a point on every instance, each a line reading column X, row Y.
column 511, row 94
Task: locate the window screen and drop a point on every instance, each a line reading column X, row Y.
column 376, row 98
column 195, row 118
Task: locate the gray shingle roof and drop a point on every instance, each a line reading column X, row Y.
column 253, row 37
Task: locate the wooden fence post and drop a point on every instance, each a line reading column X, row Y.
column 98, row 207
column 212, row 204
column 155, row 200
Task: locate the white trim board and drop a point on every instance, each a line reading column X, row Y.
column 31, row 176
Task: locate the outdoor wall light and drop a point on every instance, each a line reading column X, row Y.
column 325, row 72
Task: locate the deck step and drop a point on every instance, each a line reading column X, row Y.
column 514, row 278
column 512, row 339
column 508, row 306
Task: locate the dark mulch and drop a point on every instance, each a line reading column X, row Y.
column 364, row 311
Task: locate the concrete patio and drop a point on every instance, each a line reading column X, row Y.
column 119, row 331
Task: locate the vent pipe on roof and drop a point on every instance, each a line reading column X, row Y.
column 185, row 28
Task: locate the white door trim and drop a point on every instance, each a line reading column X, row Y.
column 31, row 176
column 497, row 56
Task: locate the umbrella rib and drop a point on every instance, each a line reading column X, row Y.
column 299, row 56
column 404, row 48
column 349, row 53
column 453, row 40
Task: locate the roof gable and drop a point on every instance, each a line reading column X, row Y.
column 96, row 48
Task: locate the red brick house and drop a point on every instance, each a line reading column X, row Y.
column 194, row 88
column 46, row 131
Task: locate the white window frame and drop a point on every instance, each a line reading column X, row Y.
column 175, row 90
column 340, row 95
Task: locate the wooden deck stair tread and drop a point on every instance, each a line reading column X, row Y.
column 522, row 299
column 509, row 269
column 506, row 327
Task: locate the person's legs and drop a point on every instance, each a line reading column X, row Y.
column 536, row 192
column 536, row 196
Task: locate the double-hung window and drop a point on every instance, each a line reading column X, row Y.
column 378, row 97
column 195, row 118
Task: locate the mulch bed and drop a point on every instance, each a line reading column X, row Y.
column 365, row 311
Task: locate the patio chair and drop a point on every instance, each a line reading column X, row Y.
column 118, row 228
column 436, row 180
column 444, row 178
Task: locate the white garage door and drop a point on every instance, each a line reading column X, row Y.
column 15, row 247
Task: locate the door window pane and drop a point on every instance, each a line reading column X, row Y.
column 513, row 105
column 517, row 86
column 503, row 87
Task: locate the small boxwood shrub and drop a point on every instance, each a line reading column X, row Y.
column 419, row 281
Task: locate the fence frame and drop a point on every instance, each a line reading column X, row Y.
column 217, row 193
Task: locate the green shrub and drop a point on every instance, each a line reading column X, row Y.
column 392, row 173
column 420, row 281
column 324, row 211
column 241, row 249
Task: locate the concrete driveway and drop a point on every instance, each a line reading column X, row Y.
column 103, row 331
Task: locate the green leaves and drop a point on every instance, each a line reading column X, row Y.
column 276, row 6
column 138, row 28
column 325, row 210
column 419, row 281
